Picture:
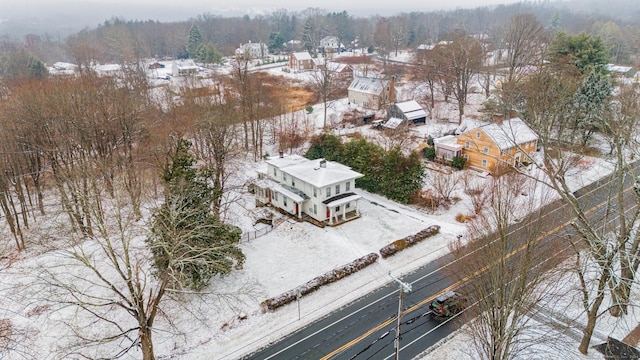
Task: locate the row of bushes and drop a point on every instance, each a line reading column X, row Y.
column 314, row 284
column 408, row 241
column 386, row 172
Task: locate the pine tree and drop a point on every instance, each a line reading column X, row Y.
column 190, row 245
column 194, row 42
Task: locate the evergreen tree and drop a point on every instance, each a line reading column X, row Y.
column 190, row 245
column 276, row 40
column 37, row 68
column 194, row 41
column 582, row 51
column 208, row 54
column 591, row 102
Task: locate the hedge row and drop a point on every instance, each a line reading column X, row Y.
column 314, row 284
column 410, row 240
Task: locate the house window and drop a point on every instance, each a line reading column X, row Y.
column 347, row 186
column 466, row 156
column 275, row 196
column 348, row 205
column 328, row 191
column 337, row 208
column 337, row 189
column 484, row 163
column 275, row 172
column 315, row 192
column 315, row 209
column 284, row 200
column 486, row 150
column 467, row 145
column 293, row 181
column 284, row 177
column 478, row 134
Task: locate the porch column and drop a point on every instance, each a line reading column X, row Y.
column 330, row 216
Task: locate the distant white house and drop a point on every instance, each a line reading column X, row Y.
column 621, row 71
column 107, row 69
column 372, row 93
column 320, row 189
column 330, row 43
column 183, row 67
column 253, row 50
column 63, row 68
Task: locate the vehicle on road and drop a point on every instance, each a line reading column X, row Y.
column 446, row 305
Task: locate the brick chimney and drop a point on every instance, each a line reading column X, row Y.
column 392, row 89
column 323, row 163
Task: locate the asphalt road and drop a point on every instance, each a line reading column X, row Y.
column 365, row 329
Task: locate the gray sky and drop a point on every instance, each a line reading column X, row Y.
column 66, row 16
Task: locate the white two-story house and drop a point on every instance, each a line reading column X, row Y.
column 321, row 189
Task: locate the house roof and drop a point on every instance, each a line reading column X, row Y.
column 510, row 133
column 337, row 67
column 341, row 199
column 183, row 64
column 619, row 68
column 368, row 85
column 312, row 173
column 393, row 123
column 411, row 109
column 447, row 142
column 303, row 55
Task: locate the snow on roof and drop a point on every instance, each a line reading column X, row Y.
column 448, row 142
column 368, row 85
column 303, row 55
column 285, row 161
column 411, row 109
column 185, row 64
column 618, row 68
column 337, row 67
column 311, row 172
column 510, row 133
column 64, row 66
column 393, row 123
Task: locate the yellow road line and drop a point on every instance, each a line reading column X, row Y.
column 449, row 288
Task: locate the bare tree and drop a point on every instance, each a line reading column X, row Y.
column 121, row 282
column 443, row 185
column 614, row 250
column 460, row 60
column 325, row 83
column 508, row 273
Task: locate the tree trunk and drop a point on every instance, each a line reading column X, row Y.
column 620, row 294
column 588, row 332
column 146, row 343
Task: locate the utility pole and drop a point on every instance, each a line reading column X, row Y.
column 404, row 287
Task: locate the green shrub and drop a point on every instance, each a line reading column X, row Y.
column 429, row 153
column 430, row 140
column 309, row 109
column 458, row 162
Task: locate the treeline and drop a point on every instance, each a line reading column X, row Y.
column 386, row 172
column 121, row 40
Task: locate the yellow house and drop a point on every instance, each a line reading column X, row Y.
column 510, row 143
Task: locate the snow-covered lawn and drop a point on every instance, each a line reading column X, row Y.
column 210, row 326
